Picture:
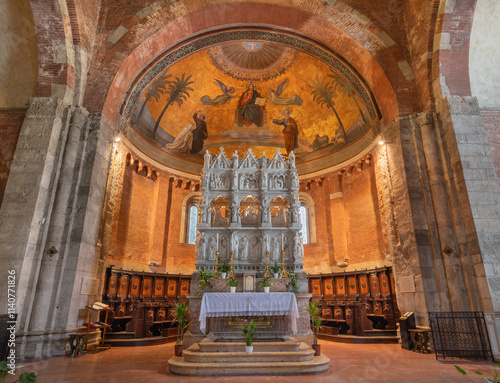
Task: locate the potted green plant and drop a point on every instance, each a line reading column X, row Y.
column 249, row 329
column 25, row 377
column 205, row 277
column 223, row 269
column 266, row 283
column 181, row 318
column 495, row 375
column 314, row 311
column 275, row 270
column 232, row 283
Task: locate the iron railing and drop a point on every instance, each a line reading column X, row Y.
column 460, row 334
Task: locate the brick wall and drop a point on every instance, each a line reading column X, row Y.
column 146, row 223
column 365, row 239
column 317, row 255
column 134, row 222
column 349, row 223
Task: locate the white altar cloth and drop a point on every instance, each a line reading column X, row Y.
column 242, row 304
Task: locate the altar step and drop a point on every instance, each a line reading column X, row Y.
column 287, row 357
column 193, row 355
column 366, row 339
column 270, row 346
column 125, row 341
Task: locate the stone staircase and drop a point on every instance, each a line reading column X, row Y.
column 224, row 357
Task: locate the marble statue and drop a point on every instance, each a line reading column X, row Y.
column 202, row 245
column 275, row 250
column 211, row 249
column 243, row 255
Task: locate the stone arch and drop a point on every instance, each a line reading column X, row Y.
column 453, row 45
column 56, row 59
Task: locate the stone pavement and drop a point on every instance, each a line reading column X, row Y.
column 349, row 363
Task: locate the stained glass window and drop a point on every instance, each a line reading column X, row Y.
column 304, row 219
column 192, row 222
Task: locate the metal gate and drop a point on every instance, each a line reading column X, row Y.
column 460, row 334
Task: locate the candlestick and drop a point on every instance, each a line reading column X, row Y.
column 230, row 274
column 282, row 241
column 267, row 274
column 216, row 271
column 284, row 273
column 217, row 241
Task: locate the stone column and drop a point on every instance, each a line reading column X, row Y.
column 28, row 201
column 479, row 192
column 444, row 222
column 54, row 198
column 416, row 274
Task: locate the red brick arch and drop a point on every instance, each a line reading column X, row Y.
column 52, row 29
column 64, row 24
column 454, row 57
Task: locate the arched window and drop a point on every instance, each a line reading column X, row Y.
column 304, row 219
column 307, row 218
column 189, row 218
column 192, row 223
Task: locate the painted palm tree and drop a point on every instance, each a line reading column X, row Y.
column 323, row 93
column 178, row 92
column 345, row 89
column 155, row 90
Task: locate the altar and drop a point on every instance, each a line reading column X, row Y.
column 249, row 219
column 249, row 304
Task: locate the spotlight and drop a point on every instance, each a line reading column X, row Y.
column 117, row 139
column 381, row 142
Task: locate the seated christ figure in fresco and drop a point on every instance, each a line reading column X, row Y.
column 250, row 111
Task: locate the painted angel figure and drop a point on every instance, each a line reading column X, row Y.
column 222, row 98
column 277, row 100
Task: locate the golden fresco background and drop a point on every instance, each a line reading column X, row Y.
column 311, row 118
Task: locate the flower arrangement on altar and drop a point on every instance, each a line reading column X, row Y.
column 232, row 283
column 223, row 269
column 275, row 269
column 266, row 283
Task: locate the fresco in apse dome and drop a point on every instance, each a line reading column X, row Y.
column 249, row 94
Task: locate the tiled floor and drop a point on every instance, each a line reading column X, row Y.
column 349, row 363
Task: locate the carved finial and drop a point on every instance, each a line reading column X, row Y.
column 207, row 159
column 291, row 159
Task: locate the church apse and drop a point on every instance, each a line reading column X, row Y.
column 250, row 92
